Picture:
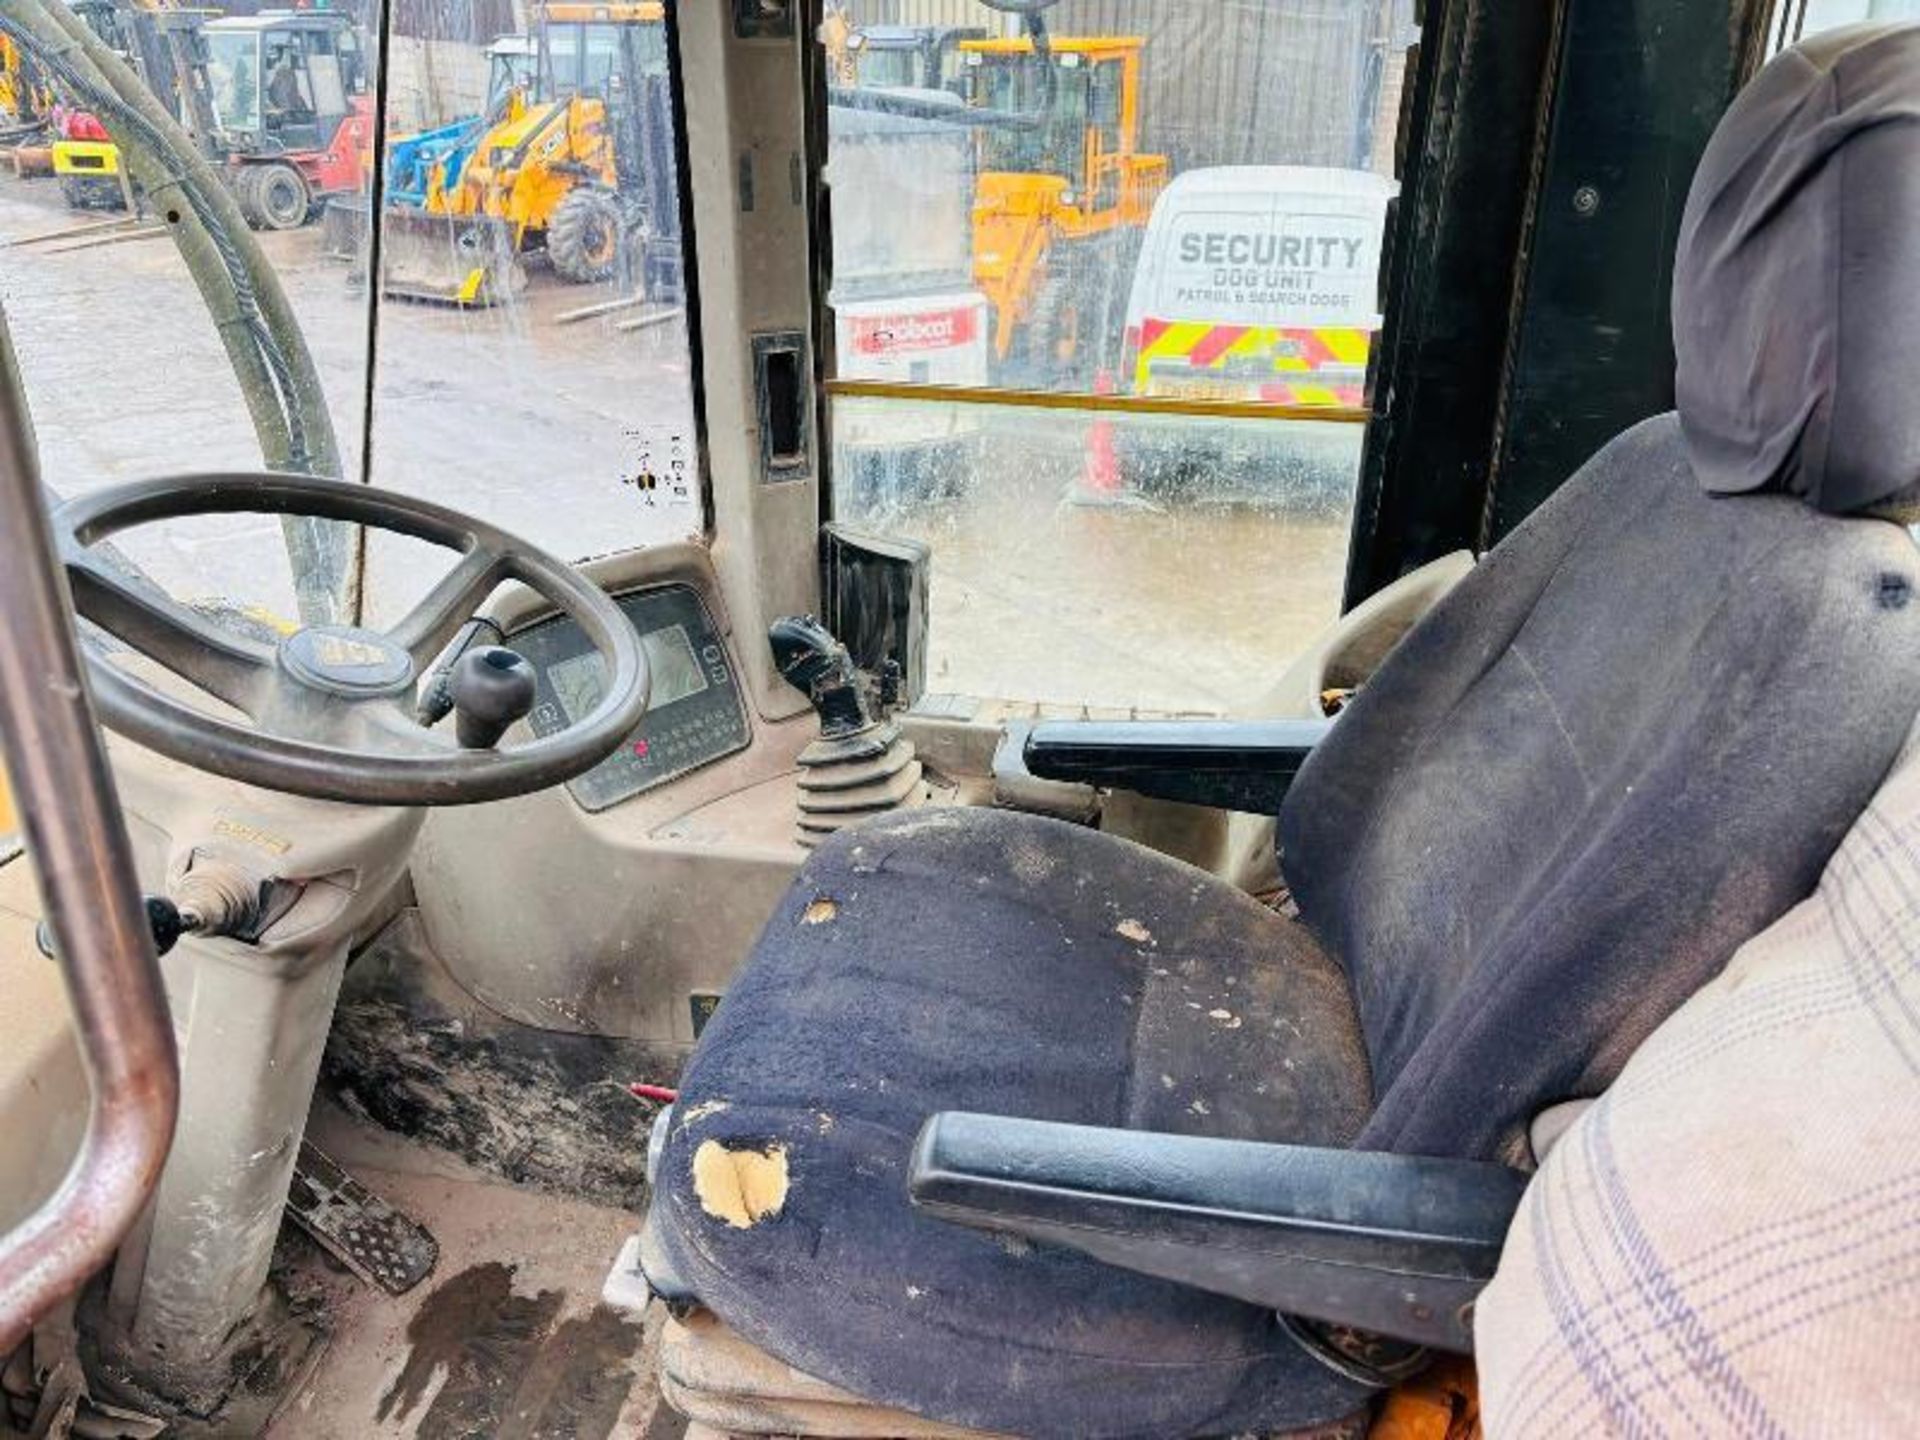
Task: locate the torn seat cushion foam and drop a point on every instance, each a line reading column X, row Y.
column 1006, row 963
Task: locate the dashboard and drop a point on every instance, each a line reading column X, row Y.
column 695, row 717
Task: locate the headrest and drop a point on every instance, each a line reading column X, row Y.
column 1796, row 292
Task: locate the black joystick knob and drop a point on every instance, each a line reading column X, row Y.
column 819, row 667
column 492, row 687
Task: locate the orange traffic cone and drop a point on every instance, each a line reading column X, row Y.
column 1100, row 474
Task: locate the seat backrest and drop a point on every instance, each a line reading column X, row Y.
column 1631, row 739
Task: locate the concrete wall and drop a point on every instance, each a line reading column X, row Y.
column 430, row 82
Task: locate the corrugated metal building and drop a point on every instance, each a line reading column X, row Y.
column 921, row 12
column 1231, row 82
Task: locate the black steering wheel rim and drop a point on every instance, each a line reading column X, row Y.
column 420, row 767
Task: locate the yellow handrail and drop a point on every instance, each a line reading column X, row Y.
column 1100, row 404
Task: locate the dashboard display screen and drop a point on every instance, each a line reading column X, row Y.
column 676, row 669
column 578, row 684
column 694, row 715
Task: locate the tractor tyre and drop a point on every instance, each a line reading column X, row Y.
column 583, row 237
column 273, row 196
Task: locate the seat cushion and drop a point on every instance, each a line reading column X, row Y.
column 986, row 960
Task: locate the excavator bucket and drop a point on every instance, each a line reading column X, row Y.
column 466, row 260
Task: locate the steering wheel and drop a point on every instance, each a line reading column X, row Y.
column 331, row 705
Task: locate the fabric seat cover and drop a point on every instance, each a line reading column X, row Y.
column 1725, row 1242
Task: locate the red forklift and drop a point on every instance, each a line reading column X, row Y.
column 292, row 110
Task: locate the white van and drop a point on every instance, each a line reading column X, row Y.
column 1259, row 283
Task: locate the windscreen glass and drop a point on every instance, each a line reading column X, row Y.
column 514, row 345
column 883, row 68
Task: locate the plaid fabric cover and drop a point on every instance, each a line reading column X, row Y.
column 1728, row 1243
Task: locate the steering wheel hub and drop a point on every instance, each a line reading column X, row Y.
column 346, row 660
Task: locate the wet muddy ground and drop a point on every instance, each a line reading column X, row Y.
column 531, row 423
column 1064, row 569
column 1062, row 576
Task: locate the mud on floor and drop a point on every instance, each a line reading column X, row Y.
column 485, row 1360
column 418, row 1056
column 506, row 1340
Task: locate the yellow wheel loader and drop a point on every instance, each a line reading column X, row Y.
column 559, row 174
column 1061, row 203
column 25, row 96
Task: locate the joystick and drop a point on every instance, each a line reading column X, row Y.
column 860, row 766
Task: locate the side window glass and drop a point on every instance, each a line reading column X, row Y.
column 1125, row 343
column 1108, row 90
column 137, row 379
column 1794, row 20
column 353, row 66
column 329, row 90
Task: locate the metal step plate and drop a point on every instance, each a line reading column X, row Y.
column 356, row 1227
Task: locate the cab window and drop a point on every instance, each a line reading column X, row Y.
column 232, row 70
column 889, row 69
column 1126, row 347
column 546, row 386
column 1794, row 22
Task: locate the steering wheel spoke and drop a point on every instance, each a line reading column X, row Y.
column 431, row 624
column 226, row 666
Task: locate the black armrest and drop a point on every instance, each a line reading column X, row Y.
column 1227, row 764
column 1399, row 1245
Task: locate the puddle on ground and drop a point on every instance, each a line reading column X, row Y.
column 514, row 1369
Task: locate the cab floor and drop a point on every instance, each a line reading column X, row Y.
column 506, row 1339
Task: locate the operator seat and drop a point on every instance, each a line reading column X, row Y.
column 1624, row 744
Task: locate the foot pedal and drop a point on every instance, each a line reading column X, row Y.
column 356, row 1227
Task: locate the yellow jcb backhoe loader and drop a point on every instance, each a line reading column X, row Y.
column 558, row 174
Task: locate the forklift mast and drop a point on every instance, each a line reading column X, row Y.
column 163, row 44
